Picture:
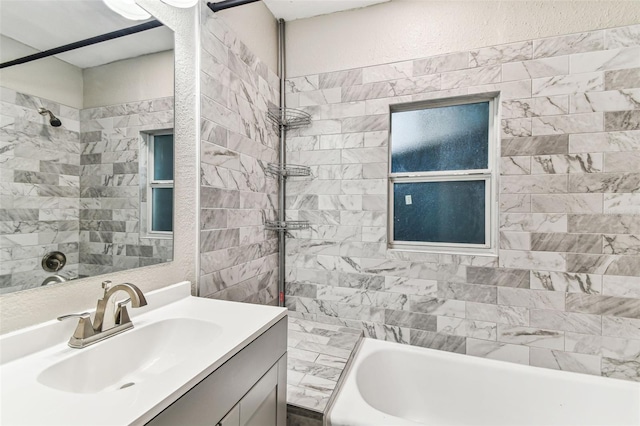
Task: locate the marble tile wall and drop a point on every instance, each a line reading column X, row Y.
column 113, row 186
column 39, row 189
column 564, row 292
column 239, row 258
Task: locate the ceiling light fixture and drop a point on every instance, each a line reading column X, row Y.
column 130, row 10
column 181, row 3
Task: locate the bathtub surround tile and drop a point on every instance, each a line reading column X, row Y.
column 604, row 182
column 605, row 60
column 566, row 203
column 531, row 299
column 498, row 314
column 500, row 54
column 610, row 347
column 565, row 164
column 609, row 223
column 576, row 243
column 626, row 328
column 340, row 79
column 498, row 351
column 439, row 64
column 621, row 286
column 622, row 120
column 605, row 142
column 537, row 145
column 567, row 84
column 612, row 100
column 621, row 369
column 621, row 79
column 562, row 124
column 566, row 282
column 467, row 328
column 413, row 320
column 467, row 292
column 237, row 256
column 568, row 213
column 471, row 77
column 574, row 43
column 515, row 166
column 536, row 107
column 546, row 67
column 443, row 342
column 566, row 321
column 528, row 336
column 567, row 361
column 500, row 277
column 603, row 264
column 603, row 305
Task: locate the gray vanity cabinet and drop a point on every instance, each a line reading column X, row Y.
column 247, row 390
column 259, row 407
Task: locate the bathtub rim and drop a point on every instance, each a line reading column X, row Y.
column 345, row 372
column 367, row 346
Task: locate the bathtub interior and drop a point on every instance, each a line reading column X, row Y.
column 426, row 386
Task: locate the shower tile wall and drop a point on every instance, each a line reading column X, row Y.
column 39, row 189
column 564, row 292
column 113, row 186
column 74, row 188
column 238, row 257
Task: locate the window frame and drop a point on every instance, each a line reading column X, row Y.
column 489, row 175
column 152, row 183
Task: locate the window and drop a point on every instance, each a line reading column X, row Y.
column 160, row 183
column 441, row 176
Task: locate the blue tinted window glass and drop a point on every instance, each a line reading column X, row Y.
column 162, row 209
column 163, row 157
column 439, row 212
column 437, row 139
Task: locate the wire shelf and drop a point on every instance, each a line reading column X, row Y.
column 288, row 170
column 288, row 117
column 289, row 225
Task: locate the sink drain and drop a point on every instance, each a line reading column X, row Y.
column 127, row 385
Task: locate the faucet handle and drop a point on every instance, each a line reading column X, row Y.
column 84, row 328
column 106, row 285
column 80, row 315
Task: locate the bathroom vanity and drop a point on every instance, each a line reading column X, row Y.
column 187, row 360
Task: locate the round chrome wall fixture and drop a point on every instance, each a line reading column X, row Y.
column 54, row 261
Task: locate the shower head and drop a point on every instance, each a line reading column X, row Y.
column 53, row 120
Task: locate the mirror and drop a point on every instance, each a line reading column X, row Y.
column 86, row 144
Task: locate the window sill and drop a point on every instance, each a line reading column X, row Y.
column 438, row 250
column 158, row 236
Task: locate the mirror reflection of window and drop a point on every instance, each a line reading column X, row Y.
column 75, row 175
column 161, row 183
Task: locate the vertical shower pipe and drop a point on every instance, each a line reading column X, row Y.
column 282, row 232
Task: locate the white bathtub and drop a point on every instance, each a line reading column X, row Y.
column 392, row 384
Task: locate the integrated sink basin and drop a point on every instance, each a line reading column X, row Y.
column 132, row 357
column 177, row 341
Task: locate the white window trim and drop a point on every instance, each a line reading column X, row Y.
column 152, row 183
column 489, row 175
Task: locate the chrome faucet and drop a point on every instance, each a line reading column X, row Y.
column 108, row 320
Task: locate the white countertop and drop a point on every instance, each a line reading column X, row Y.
column 26, row 353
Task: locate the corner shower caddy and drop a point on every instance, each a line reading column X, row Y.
column 284, row 119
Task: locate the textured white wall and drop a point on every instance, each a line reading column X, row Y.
column 409, row 29
column 48, row 78
column 33, row 306
column 257, row 28
column 129, row 80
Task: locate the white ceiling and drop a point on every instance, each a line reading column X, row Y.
column 298, row 9
column 43, row 25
